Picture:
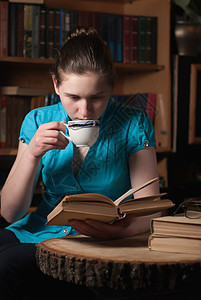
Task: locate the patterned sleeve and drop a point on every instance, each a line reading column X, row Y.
column 29, row 127
column 141, row 132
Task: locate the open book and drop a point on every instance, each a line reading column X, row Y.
column 101, row 208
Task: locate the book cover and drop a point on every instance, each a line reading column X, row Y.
column 13, row 29
column 134, row 40
column 142, row 40
column 28, row 30
column 154, row 29
column 49, row 38
column 61, row 27
column 104, row 27
column 20, row 29
column 42, row 32
column 126, row 39
column 3, row 121
column 119, row 38
column 36, row 31
column 4, row 19
column 111, row 35
column 149, row 38
column 56, row 33
column 73, row 19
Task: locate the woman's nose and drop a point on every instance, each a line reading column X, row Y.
column 85, row 108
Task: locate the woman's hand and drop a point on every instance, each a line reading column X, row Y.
column 47, row 137
column 128, row 226
column 143, row 167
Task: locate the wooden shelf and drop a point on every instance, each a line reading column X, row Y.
column 113, row 1
column 49, row 62
column 12, row 59
column 8, row 152
column 138, row 67
column 61, row 3
column 25, row 62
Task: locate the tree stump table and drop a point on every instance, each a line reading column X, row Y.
column 118, row 264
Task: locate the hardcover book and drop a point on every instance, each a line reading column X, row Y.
column 101, row 208
column 177, row 225
column 174, row 244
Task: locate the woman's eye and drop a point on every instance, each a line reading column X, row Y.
column 75, row 97
column 96, row 97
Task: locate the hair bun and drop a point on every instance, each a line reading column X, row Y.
column 82, row 32
column 84, row 51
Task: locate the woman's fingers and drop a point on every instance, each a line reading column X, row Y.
column 48, row 137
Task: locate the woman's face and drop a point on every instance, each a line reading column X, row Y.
column 84, row 97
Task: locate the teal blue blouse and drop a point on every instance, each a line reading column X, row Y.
column 105, row 170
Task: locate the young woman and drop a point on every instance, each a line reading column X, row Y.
column 122, row 157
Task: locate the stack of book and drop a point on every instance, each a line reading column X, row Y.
column 36, row 31
column 176, row 234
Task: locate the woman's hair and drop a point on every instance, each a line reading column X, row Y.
column 84, row 52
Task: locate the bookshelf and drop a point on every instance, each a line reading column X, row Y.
column 133, row 78
column 10, row 65
column 48, row 62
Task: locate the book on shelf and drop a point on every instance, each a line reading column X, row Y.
column 38, row 32
column 2, row 121
column 111, row 31
column 176, row 234
column 4, row 28
column 101, row 208
column 147, row 42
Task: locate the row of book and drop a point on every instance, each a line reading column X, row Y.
column 176, row 234
column 38, row 32
column 13, row 109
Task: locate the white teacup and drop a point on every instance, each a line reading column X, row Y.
column 83, row 133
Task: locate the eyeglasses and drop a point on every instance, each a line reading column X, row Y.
column 191, row 207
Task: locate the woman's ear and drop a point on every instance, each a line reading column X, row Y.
column 55, row 85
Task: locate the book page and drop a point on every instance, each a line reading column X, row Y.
column 134, row 190
column 92, row 207
column 90, row 197
column 146, row 206
column 148, row 198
